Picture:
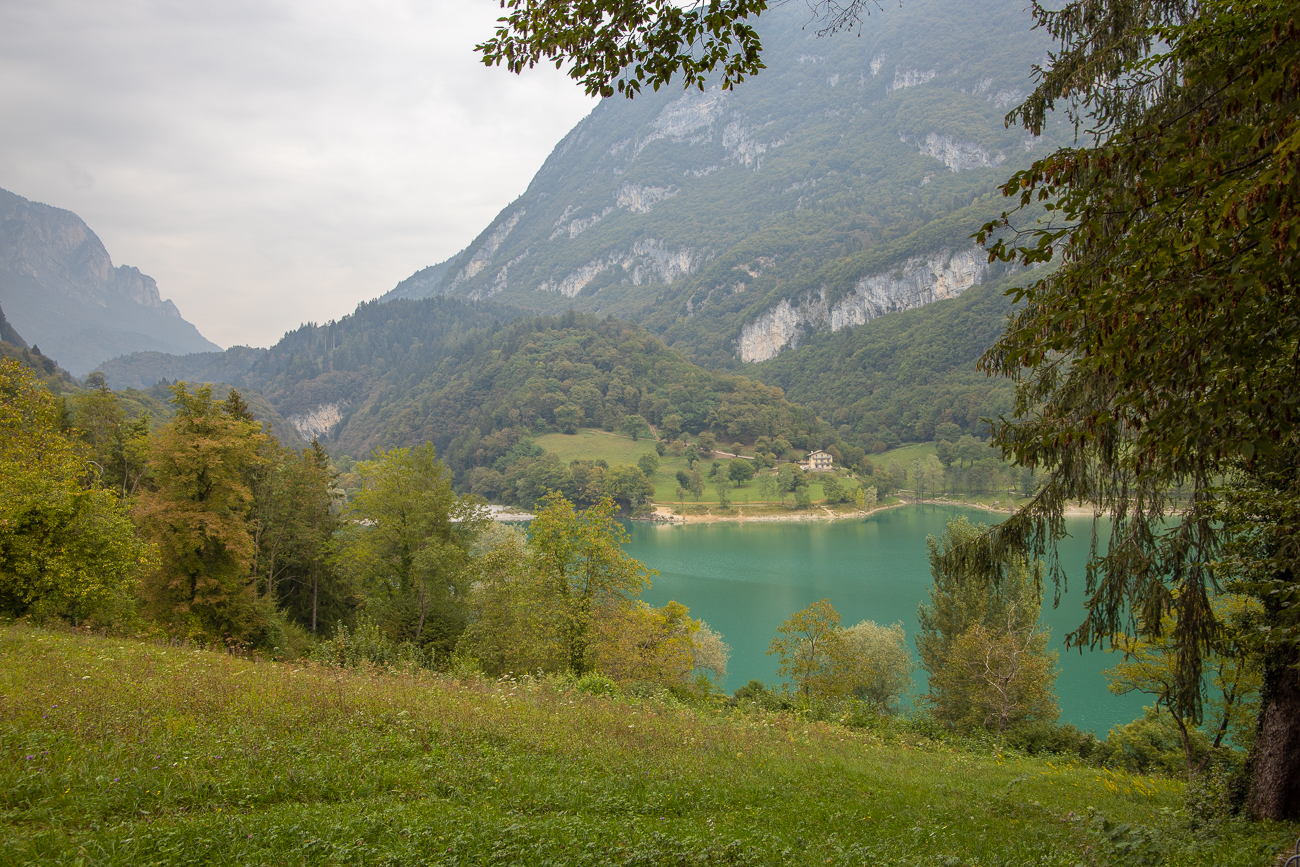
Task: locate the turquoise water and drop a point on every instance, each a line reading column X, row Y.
column 745, row 579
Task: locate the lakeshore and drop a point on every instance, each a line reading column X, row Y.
column 665, row 514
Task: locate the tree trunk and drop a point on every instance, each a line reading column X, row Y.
column 1275, row 759
column 420, row 629
column 315, row 586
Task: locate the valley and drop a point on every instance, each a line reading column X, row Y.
column 759, row 486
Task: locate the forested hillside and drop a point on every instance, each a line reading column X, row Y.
column 896, row 379
column 476, row 380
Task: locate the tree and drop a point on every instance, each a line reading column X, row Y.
column 197, row 507
column 946, row 452
column 833, row 490
column 628, row 486
column 740, row 471
column 67, row 547
column 724, row 497
column 767, row 485
column 1151, row 667
column 808, row 644
column 927, row 475
column 296, row 507
column 790, row 478
column 695, row 483
column 970, row 450
column 634, row 426
column 979, row 637
column 118, row 448
column 613, row 46
column 409, row 544
column 648, row 464
column 876, row 666
column 515, row 626
column 568, row 417
column 582, row 571
column 1162, row 352
column 639, row 642
column 710, row 654
column 996, row 677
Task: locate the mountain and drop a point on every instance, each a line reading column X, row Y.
column 421, row 284
column 9, row 334
column 811, row 230
column 12, row 345
column 60, row 290
column 897, row 378
column 476, row 378
column 840, row 184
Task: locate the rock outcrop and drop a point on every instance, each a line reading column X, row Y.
column 912, row 283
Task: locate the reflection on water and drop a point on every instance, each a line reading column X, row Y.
column 744, row 579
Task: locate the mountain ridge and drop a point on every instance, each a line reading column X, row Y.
column 60, row 289
column 697, row 214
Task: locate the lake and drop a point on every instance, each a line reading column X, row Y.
column 745, row 579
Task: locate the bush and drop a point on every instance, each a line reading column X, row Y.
column 1039, row 737
column 1151, row 744
column 368, row 647
column 1216, row 795
column 595, row 683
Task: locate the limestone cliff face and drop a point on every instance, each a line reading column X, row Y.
column 648, row 261
column 61, row 290
column 318, row 422
column 915, row 282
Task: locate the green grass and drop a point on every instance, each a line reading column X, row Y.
column 904, row 455
column 127, row 753
column 615, row 449
column 591, row 444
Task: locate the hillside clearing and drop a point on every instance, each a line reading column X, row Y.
column 129, row 753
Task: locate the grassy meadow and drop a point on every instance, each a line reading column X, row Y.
column 123, row 752
column 615, row 449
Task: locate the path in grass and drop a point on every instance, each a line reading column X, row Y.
column 126, row 753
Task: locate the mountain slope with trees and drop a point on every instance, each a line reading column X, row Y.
column 842, row 183
column 896, row 379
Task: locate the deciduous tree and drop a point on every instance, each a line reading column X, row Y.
column 410, row 545
column 67, row 547
column 582, row 569
column 808, row 645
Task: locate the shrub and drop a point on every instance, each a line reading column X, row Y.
column 595, row 683
column 368, row 647
column 1039, row 737
column 1151, row 743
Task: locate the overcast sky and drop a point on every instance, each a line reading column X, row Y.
column 271, row 162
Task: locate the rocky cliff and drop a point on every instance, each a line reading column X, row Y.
column 60, row 289
column 911, row 283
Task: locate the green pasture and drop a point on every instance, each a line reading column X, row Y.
column 615, row 449
column 125, row 753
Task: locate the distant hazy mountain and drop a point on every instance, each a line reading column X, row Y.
column 840, row 184
column 60, row 290
column 421, row 284
column 9, row 334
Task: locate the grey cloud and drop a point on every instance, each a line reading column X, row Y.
column 271, row 162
